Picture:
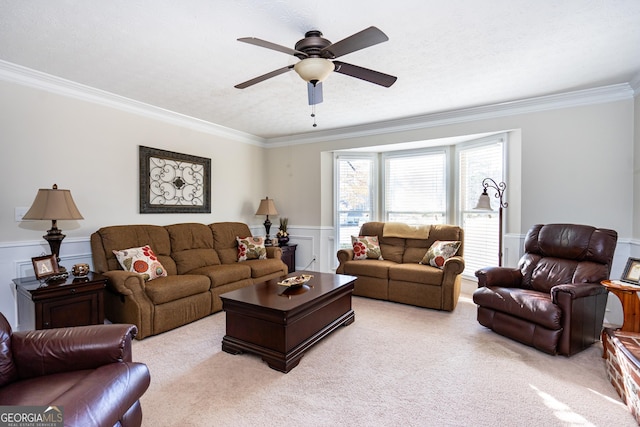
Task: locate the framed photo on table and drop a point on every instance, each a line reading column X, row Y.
column 631, row 272
column 45, row 266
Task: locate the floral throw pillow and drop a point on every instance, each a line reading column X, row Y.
column 251, row 248
column 366, row 247
column 142, row 261
column 439, row 252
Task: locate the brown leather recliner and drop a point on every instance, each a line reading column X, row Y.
column 87, row 371
column 554, row 300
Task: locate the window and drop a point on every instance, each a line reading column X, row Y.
column 416, row 187
column 415, row 190
column 355, row 180
column 475, row 163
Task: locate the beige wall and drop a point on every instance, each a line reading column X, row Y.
column 93, row 151
column 566, row 165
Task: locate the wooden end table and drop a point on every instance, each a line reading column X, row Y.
column 280, row 323
column 630, row 303
column 62, row 303
column 289, row 256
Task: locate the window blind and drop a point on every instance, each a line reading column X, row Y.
column 415, row 188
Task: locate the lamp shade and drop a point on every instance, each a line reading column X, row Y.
column 484, row 203
column 267, row 207
column 53, row 204
column 314, row 70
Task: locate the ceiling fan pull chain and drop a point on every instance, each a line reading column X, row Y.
column 313, row 114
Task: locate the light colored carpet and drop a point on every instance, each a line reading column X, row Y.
column 395, row 365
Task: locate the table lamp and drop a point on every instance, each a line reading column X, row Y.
column 267, row 207
column 53, row 204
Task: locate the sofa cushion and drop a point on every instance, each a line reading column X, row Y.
column 223, row 274
column 224, row 239
column 439, row 252
column 369, row 267
column 416, row 273
column 142, row 261
column 192, row 246
column 366, row 247
column 392, row 248
column 118, row 237
column 251, row 248
column 187, row 261
column 533, row 306
column 171, row 288
column 414, row 250
column 261, row 268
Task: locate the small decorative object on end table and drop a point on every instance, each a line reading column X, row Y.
column 60, row 303
column 283, row 234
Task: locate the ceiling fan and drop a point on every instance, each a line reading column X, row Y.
column 316, row 54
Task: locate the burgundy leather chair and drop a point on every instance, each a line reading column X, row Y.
column 554, row 300
column 86, row 370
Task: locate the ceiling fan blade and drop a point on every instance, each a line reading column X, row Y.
column 365, row 38
column 315, row 93
column 264, row 77
column 273, row 46
column 371, row 76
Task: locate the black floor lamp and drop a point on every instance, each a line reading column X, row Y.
column 484, row 203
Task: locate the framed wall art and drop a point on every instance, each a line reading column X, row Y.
column 45, row 266
column 174, row 182
column 631, row 272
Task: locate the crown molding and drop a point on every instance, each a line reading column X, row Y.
column 18, row 74
column 14, row 73
column 542, row 103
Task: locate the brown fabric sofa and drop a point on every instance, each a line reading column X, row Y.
column 201, row 262
column 399, row 277
column 553, row 300
column 87, row 371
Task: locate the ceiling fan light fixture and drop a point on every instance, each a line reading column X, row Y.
column 314, row 70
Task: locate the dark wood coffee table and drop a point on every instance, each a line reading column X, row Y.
column 280, row 323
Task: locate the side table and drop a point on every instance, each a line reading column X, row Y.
column 62, row 303
column 630, row 303
column 289, row 256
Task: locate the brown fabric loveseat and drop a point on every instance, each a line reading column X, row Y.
column 85, row 371
column 201, row 262
column 400, row 277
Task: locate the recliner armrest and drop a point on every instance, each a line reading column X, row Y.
column 49, row 351
column 499, row 276
column 577, row 290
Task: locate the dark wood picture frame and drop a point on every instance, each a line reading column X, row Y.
column 45, row 266
column 174, row 182
column 631, row 272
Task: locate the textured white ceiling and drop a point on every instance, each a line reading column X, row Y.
column 184, row 57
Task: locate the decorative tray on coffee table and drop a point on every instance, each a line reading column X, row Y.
column 292, row 282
